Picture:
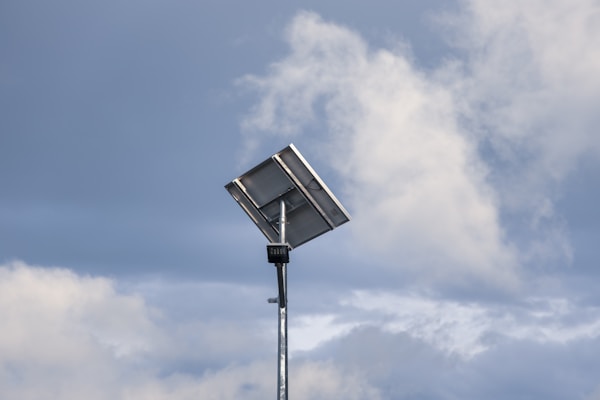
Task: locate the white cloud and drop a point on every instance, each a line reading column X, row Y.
column 466, row 329
column 309, row 331
column 66, row 336
column 446, row 166
column 414, row 182
column 531, row 87
column 412, row 345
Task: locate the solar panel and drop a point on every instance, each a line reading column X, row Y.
column 311, row 208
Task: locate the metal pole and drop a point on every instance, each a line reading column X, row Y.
column 282, row 342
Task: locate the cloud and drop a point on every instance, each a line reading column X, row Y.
column 67, row 336
column 466, row 329
column 412, row 346
column 456, row 168
column 398, row 365
column 413, row 180
column 457, row 329
column 64, row 335
column 529, row 86
column 532, row 80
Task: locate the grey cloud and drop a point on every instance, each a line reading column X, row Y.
column 403, row 367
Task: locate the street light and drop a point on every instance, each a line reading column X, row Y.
column 291, row 205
